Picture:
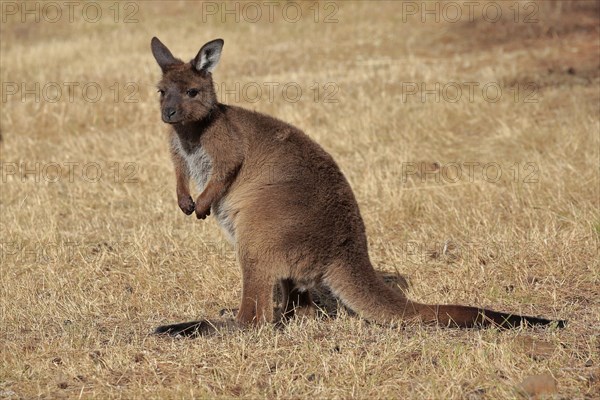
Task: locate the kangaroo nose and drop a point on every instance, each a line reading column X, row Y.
column 168, row 113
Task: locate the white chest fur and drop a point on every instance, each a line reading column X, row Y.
column 199, row 166
column 198, row 162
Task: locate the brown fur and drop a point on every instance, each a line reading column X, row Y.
column 284, row 204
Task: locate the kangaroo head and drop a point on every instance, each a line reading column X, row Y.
column 186, row 89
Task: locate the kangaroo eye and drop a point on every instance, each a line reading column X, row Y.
column 192, row 92
column 162, row 92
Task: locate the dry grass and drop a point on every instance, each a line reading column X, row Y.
column 89, row 268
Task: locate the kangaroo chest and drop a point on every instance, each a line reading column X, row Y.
column 199, row 165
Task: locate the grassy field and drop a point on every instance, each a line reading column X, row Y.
column 471, row 141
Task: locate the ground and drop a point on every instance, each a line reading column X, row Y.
column 471, row 141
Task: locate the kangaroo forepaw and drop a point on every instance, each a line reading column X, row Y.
column 202, row 212
column 187, row 205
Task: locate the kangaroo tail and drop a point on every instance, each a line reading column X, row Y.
column 364, row 292
column 468, row 317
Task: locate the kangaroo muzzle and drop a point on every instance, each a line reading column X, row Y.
column 170, row 115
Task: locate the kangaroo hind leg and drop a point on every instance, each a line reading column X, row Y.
column 256, row 306
column 295, row 302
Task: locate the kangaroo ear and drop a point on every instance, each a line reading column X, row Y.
column 208, row 56
column 163, row 56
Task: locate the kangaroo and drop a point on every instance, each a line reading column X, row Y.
column 284, row 204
